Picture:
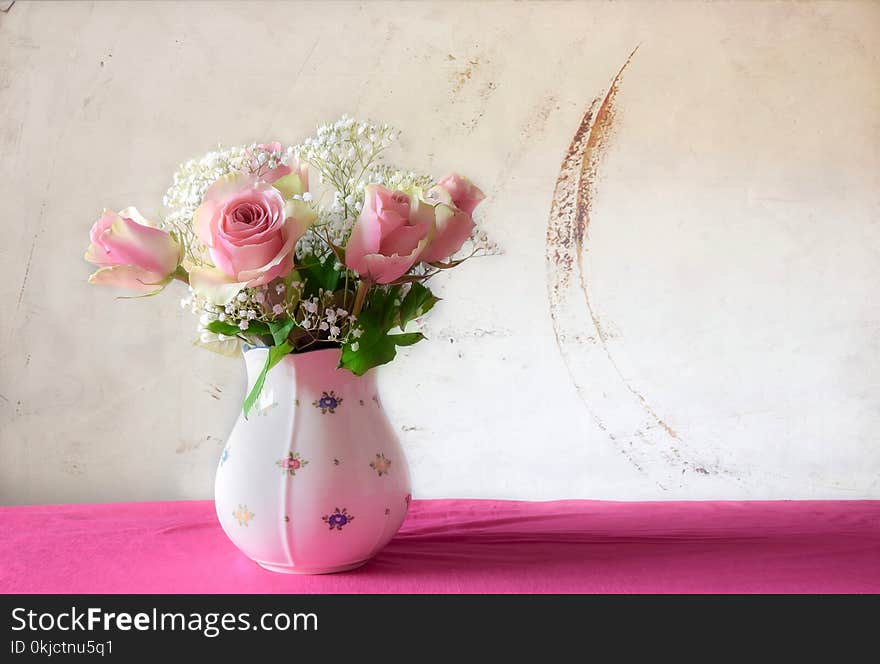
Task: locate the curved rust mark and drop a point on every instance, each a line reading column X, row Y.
column 597, row 143
column 567, row 230
column 570, row 216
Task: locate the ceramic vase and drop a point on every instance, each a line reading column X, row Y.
column 314, row 480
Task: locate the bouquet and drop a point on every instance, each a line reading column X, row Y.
column 275, row 260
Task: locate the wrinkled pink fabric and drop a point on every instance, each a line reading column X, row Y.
column 464, row 546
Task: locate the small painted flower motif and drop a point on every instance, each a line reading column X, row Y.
column 243, row 516
column 387, row 511
column 338, row 519
column 381, row 465
column 291, row 463
column 329, row 402
column 224, row 456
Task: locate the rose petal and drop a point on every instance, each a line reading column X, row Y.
column 465, row 194
column 213, row 285
column 403, row 241
column 282, row 260
column 204, row 220
column 243, row 257
column 128, row 276
column 127, row 242
column 453, row 228
column 290, row 185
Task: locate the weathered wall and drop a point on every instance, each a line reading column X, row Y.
column 715, row 333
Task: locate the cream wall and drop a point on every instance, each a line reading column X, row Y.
column 732, row 253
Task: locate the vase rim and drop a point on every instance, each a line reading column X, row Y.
column 246, row 348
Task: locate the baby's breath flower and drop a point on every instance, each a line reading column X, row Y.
column 481, row 245
column 347, row 155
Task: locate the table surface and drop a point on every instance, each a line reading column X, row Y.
column 464, row 546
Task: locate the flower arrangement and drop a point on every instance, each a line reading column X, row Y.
column 274, row 260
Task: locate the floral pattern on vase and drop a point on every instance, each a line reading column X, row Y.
column 291, row 463
column 328, row 403
column 288, row 470
column 338, row 519
column 243, row 515
column 381, row 464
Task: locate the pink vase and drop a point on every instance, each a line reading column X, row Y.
column 315, row 480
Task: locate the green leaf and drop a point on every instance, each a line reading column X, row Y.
column 318, row 274
column 381, row 306
column 417, row 302
column 273, row 357
column 280, row 330
column 257, row 327
column 218, row 327
column 375, row 345
column 407, row 339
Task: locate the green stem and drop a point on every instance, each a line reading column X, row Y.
column 180, row 274
column 363, row 287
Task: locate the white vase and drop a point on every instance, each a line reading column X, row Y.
column 315, row 480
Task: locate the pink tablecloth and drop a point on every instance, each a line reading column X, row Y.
column 463, row 546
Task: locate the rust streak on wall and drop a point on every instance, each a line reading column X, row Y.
column 567, row 234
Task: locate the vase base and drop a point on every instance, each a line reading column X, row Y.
column 287, row 569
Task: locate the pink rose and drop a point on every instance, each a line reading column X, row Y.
column 389, row 235
column 132, row 252
column 250, row 231
column 464, row 193
column 453, row 224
